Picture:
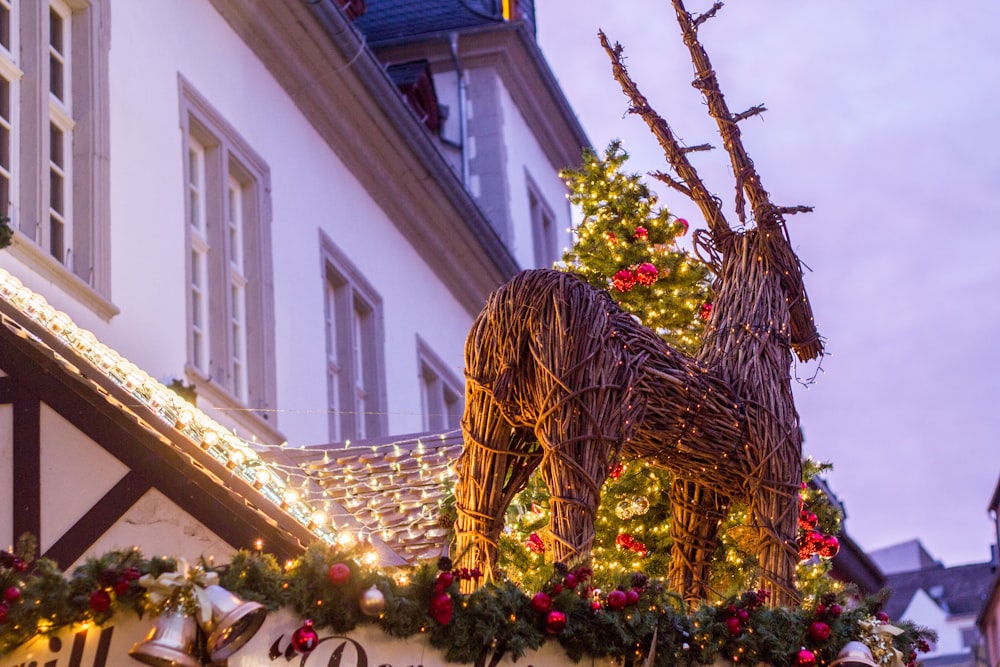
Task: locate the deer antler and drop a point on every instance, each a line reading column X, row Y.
column 691, row 183
column 769, row 217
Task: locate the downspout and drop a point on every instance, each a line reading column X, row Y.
column 462, row 93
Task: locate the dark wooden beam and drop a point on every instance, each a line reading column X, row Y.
column 27, row 489
column 76, row 541
column 148, row 453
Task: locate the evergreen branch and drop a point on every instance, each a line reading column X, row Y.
column 752, row 111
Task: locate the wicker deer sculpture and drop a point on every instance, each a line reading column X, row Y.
column 561, row 380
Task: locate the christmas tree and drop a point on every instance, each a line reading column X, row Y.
column 627, row 245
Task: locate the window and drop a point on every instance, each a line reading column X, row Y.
column 354, row 350
column 10, row 74
column 230, row 300
column 441, row 394
column 544, row 233
column 54, row 140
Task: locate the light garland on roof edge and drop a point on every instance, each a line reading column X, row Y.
column 228, row 449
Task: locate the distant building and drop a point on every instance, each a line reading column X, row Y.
column 988, row 621
column 945, row 599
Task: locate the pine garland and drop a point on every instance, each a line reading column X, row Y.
column 496, row 617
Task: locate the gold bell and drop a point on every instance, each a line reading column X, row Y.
column 854, row 654
column 234, row 622
column 171, row 642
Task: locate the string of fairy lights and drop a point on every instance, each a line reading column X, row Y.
column 286, row 486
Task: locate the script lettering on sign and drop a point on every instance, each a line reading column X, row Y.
column 337, row 652
column 73, row 656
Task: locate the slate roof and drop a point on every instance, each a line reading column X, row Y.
column 395, row 20
column 959, row 590
column 395, row 487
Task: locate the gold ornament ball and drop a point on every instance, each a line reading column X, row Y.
column 372, row 602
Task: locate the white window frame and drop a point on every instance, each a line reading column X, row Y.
column 11, row 74
column 442, row 395
column 80, row 261
column 228, row 212
column 355, row 349
column 544, row 228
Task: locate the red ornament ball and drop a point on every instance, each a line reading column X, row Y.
column 100, row 601
column 646, row 274
column 12, row 594
column 706, row 311
column 571, row 580
column 631, row 597
column 807, row 520
column 641, row 233
column 442, row 609
column 624, row 280
column 122, row 587
column 612, row 238
column 541, row 603
column 339, row 574
column 617, row 599
column 304, row 639
column 734, row 626
column 617, row 470
column 805, row 658
column 835, row 610
column 818, row 631
column 555, row 622
column 830, row 546
column 684, row 225
column 882, row 617
column 446, row 579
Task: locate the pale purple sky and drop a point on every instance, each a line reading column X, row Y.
column 885, row 116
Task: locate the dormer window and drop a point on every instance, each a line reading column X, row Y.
column 413, row 79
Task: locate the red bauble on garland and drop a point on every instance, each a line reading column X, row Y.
column 100, row 601
column 734, row 626
column 623, row 280
column 555, row 622
column 541, row 603
column 339, row 574
column 641, row 233
column 646, row 274
column 684, row 225
column 818, row 631
column 12, row 594
column 617, row 599
column 706, row 311
column 441, row 608
column 805, row 658
column 304, row 639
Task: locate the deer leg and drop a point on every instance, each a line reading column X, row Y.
column 775, row 509
column 495, row 464
column 574, row 466
column 696, row 511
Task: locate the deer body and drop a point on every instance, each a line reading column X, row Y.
column 561, row 380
